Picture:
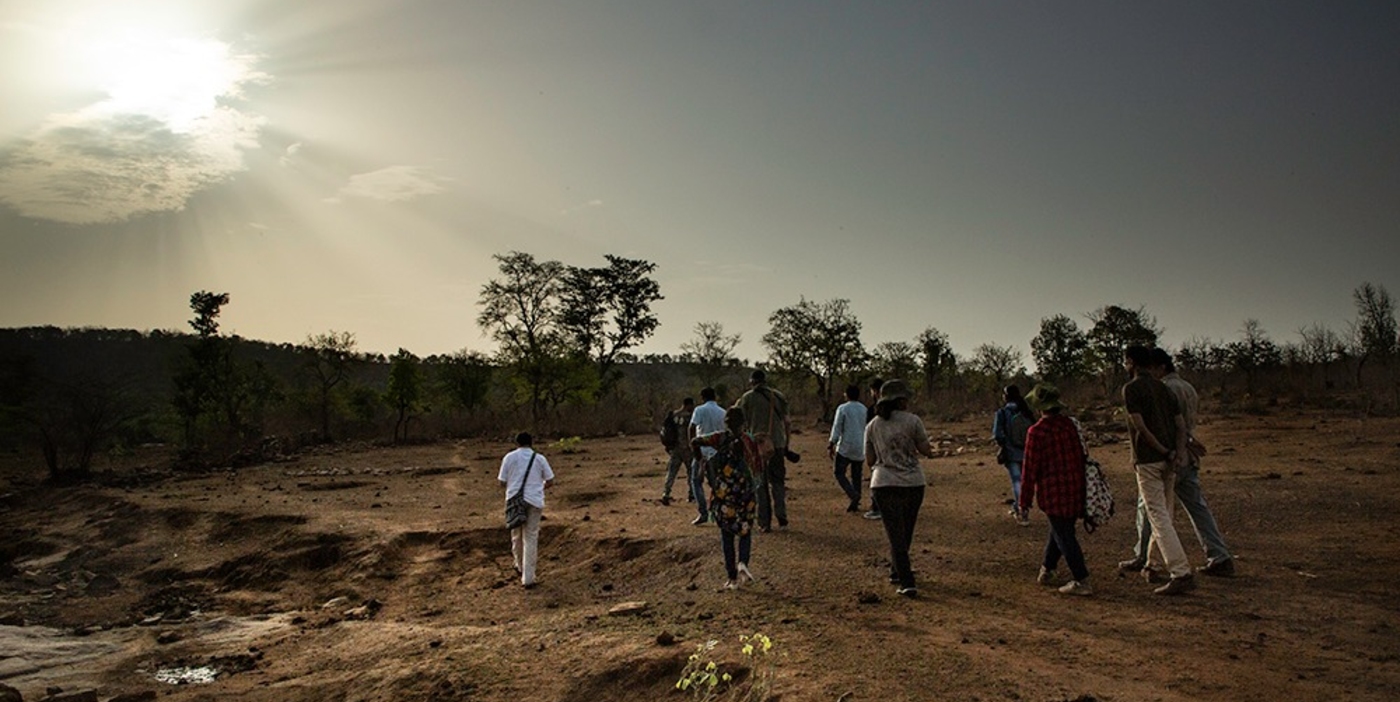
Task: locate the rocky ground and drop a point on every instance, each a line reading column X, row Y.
column 383, row 573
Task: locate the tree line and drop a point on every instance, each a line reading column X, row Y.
column 565, row 361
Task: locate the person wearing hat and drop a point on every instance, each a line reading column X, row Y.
column 1052, row 477
column 766, row 417
column 894, row 440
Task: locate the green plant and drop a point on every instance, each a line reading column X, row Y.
column 704, row 679
column 567, row 445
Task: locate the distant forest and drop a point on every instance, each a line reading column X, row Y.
column 566, row 366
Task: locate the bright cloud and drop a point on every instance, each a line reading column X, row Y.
column 94, row 167
column 392, row 184
column 166, row 129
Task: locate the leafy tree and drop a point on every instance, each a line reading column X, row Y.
column 70, row 419
column 711, row 350
column 521, row 312
column 328, row 360
column 818, row 340
column 214, row 388
column 464, row 378
column 895, row 359
column 937, row 362
column 1116, row 328
column 607, row 311
column 404, row 391
column 1060, row 350
column 997, row 363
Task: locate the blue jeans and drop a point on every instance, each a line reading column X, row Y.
column 1062, row 542
column 771, row 492
column 899, row 511
column 1188, row 490
column 697, row 486
column 727, row 539
column 1014, row 470
column 679, row 455
column 850, row 486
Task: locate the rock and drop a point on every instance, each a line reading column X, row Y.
column 867, row 597
column 11, row 619
column 9, row 694
column 337, row 602
column 168, row 637
column 367, row 610
column 665, row 638
column 627, row 608
column 102, row 584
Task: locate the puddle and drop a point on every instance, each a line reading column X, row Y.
column 203, row 675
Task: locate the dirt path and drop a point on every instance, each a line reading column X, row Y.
column 382, row 574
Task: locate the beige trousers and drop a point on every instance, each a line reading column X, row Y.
column 525, row 544
column 1156, row 484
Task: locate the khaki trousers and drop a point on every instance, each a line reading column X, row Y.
column 1156, row 486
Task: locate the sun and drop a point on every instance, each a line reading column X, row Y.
column 175, row 79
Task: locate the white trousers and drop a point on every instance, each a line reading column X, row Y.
column 525, row 544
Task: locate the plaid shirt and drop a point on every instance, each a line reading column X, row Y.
column 1054, row 468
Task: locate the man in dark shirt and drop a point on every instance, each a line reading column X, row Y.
column 1159, row 448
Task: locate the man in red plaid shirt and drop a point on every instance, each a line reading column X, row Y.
column 1053, row 470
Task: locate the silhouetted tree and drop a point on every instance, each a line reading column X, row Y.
column 818, row 340
column 711, row 350
column 895, row 359
column 1116, row 328
column 1254, row 352
column 937, row 362
column 328, row 359
column 608, row 310
column 1060, row 350
column 404, row 391
column 998, row 364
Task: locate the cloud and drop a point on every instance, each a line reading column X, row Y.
column 570, row 210
column 96, row 166
column 392, row 184
column 289, row 156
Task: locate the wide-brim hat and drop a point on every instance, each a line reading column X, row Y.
column 1044, row 397
column 895, row 389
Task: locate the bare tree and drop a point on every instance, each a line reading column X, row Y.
column 711, row 350
column 997, row 363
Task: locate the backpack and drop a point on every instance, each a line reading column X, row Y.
column 671, row 430
column 1098, row 498
column 1016, row 430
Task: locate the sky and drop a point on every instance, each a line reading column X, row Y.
column 354, row 165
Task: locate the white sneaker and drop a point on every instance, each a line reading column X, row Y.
column 745, row 575
column 729, row 585
column 1076, row 587
column 1046, row 577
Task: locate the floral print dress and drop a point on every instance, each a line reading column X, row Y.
column 732, row 502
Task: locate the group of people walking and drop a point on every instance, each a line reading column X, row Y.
column 1161, row 409
column 741, row 455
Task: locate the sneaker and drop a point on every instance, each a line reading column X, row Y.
column 1224, row 568
column 910, row 592
column 666, row 500
column 1154, row 576
column 1023, row 518
column 873, row 514
column 745, row 575
column 1177, row 586
column 765, row 530
column 1132, row 565
column 894, row 578
column 700, row 520
column 1076, row 587
column 1046, row 577
column 729, row 585
column 854, row 506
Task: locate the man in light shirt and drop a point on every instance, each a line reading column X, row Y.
column 524, row 469
column 846, row 447
column 708, row 418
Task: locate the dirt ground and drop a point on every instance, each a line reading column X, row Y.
column 383, row 573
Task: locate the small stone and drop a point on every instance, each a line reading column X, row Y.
column 867, row 597
column 167, row 637
column 628, row 608
column 665, row 638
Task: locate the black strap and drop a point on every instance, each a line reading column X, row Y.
column 533, row 453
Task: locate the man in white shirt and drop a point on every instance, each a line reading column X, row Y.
column 708, row 418
column 847, row 445
column 525, row 469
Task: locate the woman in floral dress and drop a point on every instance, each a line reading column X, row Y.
column 732, row 502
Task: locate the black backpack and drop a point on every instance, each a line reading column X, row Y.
column 671, row 430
